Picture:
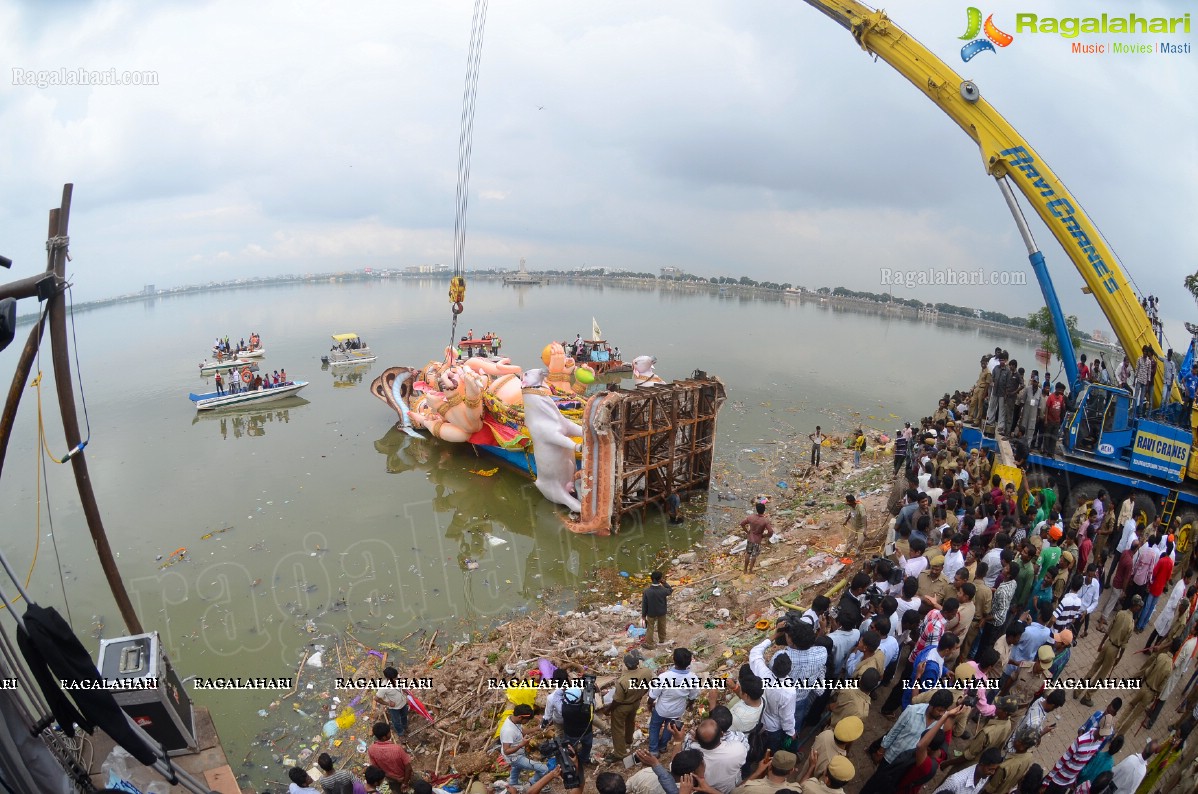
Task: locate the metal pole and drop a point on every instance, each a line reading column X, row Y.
column 1064, row 342
column 59, row 220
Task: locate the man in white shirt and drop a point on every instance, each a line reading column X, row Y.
column 1130, row 772
column 395, row 700
column 722, row 759
column 1089, row 594
column 955, row 559
column 973, row 779
column 670, row 695
column 778, row 699
column 993, row 559
column 512, row 745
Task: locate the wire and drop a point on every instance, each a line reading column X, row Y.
column 53, row 540
column 78, row 370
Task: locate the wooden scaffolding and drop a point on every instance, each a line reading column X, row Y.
column 666, row 435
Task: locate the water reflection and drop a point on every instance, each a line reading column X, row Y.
column 348, row 377
column 250, row 422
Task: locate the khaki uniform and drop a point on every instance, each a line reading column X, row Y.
column 995, row 734
column 1112, row 647
column 813, row 786
column 1008, row 774
column 875, row 661
column 983, row 600
column 825, row 744
column 624, row 705
column 851, row 703
column 978, row 397
column 937, row 588
column 1156, row 673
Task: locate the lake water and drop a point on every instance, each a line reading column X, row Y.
column 337, row 519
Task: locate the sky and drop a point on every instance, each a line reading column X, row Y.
column 723, row 138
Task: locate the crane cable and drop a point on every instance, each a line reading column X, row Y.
column 457, row 284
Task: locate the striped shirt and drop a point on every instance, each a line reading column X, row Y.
column 1002, row 602
column 1084, row 748
column 930, row 632
column 1067, row 612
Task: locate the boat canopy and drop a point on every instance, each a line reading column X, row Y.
column 344, row 337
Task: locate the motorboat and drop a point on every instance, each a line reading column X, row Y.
column 215, row 400
column 209, row 367
column 348, row 349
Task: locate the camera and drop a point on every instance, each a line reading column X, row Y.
column 588, row 689
column 552, row 748
column 970, row 699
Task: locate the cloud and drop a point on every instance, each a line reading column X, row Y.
column 756, row 140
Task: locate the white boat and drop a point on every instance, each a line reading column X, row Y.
column 343, row 353
column 255, row 353
column 212, row 400
column 208, row 367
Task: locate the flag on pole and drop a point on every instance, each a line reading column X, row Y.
column 417, row 706
column 596, row 334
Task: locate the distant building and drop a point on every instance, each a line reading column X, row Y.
column 673, row 272
column 420, row 269
column 149, row 290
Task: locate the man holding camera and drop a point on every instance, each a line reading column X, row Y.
column 630, row 690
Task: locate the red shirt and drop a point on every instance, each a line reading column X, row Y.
column 1123, row 570
column 1053, row 408
column 1083, row 553
column 392, row 759
column 1160, row 576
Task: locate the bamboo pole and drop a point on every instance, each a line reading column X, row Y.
column 59, row 222
column 19, row 379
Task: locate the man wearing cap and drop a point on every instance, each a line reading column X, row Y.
column 831, row 743
column 933, row 587
column 978, row 397
column 1110, row 650
column 839, row 774
column 993, row 736
column 770, row 775
column 1154, row 675
column 1030, row 677
column 630, row 690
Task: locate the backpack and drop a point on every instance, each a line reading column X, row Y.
column 576, row 719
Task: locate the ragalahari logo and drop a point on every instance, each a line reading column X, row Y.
column 994, row 36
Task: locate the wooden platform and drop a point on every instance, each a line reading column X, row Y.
column 209, row 764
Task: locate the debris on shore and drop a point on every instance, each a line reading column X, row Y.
column 714, row 610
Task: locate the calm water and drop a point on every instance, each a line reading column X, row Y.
column 336, row 518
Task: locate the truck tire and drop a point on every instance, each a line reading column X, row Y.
column 1087, row 489
column 1145, row 510
column 1185, row 533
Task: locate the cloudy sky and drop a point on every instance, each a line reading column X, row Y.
column 724, row 138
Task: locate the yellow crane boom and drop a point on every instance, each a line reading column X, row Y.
column 1006, row 154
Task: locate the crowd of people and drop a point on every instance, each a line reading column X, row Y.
column 959, row 638
column 246, row 380
column 224, row 348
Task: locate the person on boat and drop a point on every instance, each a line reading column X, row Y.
column 615, row 354
column 276, row 377
column 283, row 376
column 234, row 382
column 470, row 335
column 220, row 389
